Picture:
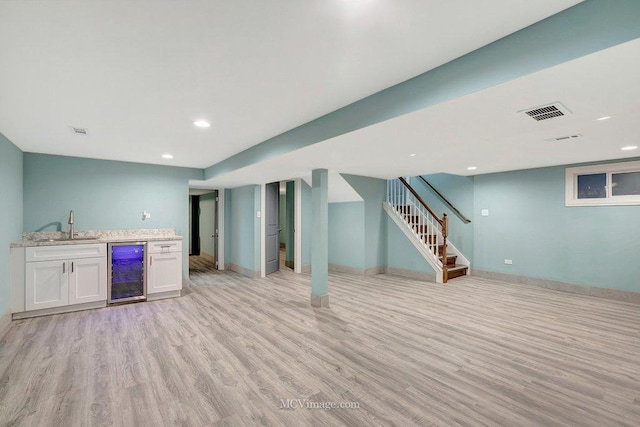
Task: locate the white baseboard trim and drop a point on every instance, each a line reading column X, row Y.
column 613, row 294
column 5, row 321
column 244, row 271
column 186, row 282
column 59, row 310
column 411, row 274
column 338, row 268
column 163, row 295
column 319, row 300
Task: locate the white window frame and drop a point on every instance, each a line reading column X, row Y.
column 571, row 184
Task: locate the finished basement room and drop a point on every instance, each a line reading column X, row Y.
column 320, row 213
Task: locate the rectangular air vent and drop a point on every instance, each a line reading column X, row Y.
column 564, row 138
column 79, row 131
column 545, row 112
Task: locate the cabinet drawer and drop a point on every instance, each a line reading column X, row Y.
column 64, row 252
column 164, row 246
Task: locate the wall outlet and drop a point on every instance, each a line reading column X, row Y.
column 258, row 214
column 508, row 261
column 484, row 212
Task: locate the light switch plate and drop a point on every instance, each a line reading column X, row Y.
column 258, row 214
column 484, row 212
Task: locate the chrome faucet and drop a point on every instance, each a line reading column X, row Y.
column 71, row 233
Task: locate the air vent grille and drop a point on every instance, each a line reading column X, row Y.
column 564, row 138
column 546, row 112
column 78, row 131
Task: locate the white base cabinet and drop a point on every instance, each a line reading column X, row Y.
column 88, row 280
column 47, row 285
column 164, row 266
column 51, row 279
column 56, row 276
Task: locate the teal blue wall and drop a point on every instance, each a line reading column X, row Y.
column 306, row 224
column 347, row 234
column 11, row 184
column 529, row 224
column 586, row 28
column 373, row 192
column 459, row 191
column 243, row 231
column 401, row 254
column 257, row 229
column 105, row 195
column 207, row 223
column 228, row 226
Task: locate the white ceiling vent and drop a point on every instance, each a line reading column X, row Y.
column 545, row 112
column 564, row 138
column 79, row 131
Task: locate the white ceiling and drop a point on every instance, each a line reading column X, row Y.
column 485, row 130
column 137, row 73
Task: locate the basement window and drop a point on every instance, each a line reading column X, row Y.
column 614, row 184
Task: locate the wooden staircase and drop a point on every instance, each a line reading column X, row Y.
column 426, row 231
column 453, row 270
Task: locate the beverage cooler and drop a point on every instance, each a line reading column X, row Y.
column 127, row 272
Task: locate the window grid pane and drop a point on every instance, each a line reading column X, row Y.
column 592, row 186
column 625, row 184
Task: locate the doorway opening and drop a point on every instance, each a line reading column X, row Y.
column 203, row 229
column 279, row 231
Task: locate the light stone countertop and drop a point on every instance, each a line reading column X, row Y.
column 96, row 236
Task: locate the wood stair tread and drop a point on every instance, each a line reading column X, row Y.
column 457, row 271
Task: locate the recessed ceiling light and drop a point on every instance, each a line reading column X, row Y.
column 202, row 123
column 472, row 168
column 167, row 156
column 629, row 148
column 604, row 118
column 412, row 155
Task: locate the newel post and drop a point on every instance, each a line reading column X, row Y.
column 445, row 233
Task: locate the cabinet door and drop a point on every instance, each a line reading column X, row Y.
column 165, row 272
column 47, row 284
column 88, row 280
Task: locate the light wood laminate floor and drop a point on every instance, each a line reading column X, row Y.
column 474, row 352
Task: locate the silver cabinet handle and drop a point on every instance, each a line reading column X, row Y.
column 72, row 266
column 64, row 267
column 151, row 260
